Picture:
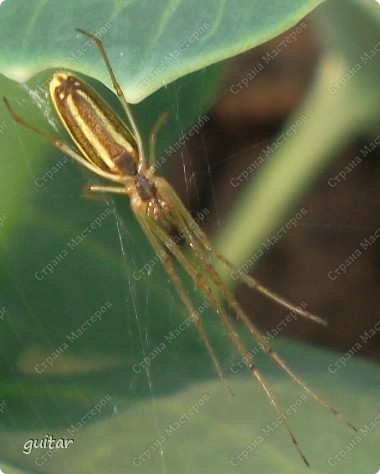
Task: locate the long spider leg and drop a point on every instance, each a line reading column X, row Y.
column 214, row 301
column 247, row 279
column 188, row 224
column 256, row 285
column 260, row 338
column 159, row 247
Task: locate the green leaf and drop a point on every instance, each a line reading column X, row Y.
column 202, row 428
column 150, row 43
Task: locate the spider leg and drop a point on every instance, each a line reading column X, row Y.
column 247, row 279
column 226, row 320
column 201, row 249
column 256, row 285
column 148, row 227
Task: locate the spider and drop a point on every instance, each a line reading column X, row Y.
column 109, row 149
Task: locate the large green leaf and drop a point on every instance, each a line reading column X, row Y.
column 151, row 43
column 203, row 428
